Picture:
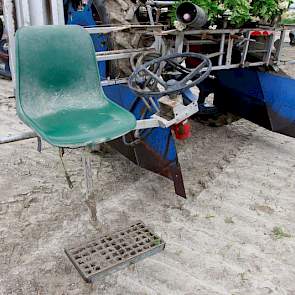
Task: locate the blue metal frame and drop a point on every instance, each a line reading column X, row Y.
column 156, row 150
column 265, row 98
column 85, row 18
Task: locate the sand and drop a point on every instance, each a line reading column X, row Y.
column 240, row 185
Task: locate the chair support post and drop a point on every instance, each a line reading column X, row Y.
column 90, row 197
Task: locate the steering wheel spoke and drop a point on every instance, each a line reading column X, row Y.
column 156, row 78
column 179, row 67
column 194, row 73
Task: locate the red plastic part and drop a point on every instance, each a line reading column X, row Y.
column 260, row 33
column 182, row 130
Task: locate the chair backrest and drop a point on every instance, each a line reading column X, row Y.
column 56, row 70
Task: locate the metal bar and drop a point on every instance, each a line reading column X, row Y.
column 245, row 50
column 179, row 42
column 109, row 29
column 146, row 124
column 22, row 13
column 269, row 49
column 214, row 54
column 199, row 42
column 150, row 13
column 90, row 196
column 18, row 13
column 114, row 82
column 68, row 178
column 129, row 50
column 18, row 137
column 257, row 51
column 120, row 54
column 221, row 49
column 224, row 67
column 38, row 12
column 161, row 3
column 235, row 66
column 229, row 50
column 57, row 12
column 281, row 44
column 154, row 104
column 157, row 43
column 219, row 31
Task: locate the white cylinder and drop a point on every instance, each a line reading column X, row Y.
column 38, row 12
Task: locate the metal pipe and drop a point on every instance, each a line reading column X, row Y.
column 221, row 49
column 280, row 47
column 229, row 50
column 18, row 137
column 218, row 31
column 245, row 51
column 161, row 3
column 222, row 43
column 120, row 54
column 269, row 49
column 57, row 12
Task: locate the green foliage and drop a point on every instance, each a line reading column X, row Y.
column 238, row 12
column 288, row 21
column 265, row 9
column 278, row 233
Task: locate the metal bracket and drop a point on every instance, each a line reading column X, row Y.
column 181, row 113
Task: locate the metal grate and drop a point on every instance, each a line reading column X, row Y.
column 114, row 251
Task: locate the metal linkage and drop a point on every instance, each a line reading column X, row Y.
column 121, row 54
column 228, row 39
column 114, row 251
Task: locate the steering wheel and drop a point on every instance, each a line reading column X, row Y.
column 147, row 79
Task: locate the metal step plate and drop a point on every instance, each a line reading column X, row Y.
column 112, row 252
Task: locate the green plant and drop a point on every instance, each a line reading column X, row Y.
column 288, row 21
column 265, row 9
column 279, row 233
column 229, row 220
column 238, row 12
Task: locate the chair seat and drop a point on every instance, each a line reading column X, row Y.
column 58, row 89
column 80, row 127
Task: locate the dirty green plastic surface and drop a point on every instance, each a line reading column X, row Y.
column 58, row 88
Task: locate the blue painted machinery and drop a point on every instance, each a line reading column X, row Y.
column 155, row 150
column 264, row 98
column 83, row 16
column 160, row 98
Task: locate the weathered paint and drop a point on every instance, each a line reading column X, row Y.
column 85, row 18
column 264, row 98
column 156, row 149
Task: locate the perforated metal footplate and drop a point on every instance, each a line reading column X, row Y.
column 114, row 251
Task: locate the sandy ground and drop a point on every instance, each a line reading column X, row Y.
column 240, row 185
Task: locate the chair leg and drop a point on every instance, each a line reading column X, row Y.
column 68, row 178
column 90, row 197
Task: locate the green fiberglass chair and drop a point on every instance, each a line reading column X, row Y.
column 58, row 88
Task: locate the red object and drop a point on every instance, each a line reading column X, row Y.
column 260, row 33
column 256, row 33
column 182, row 130
column 192, row 62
